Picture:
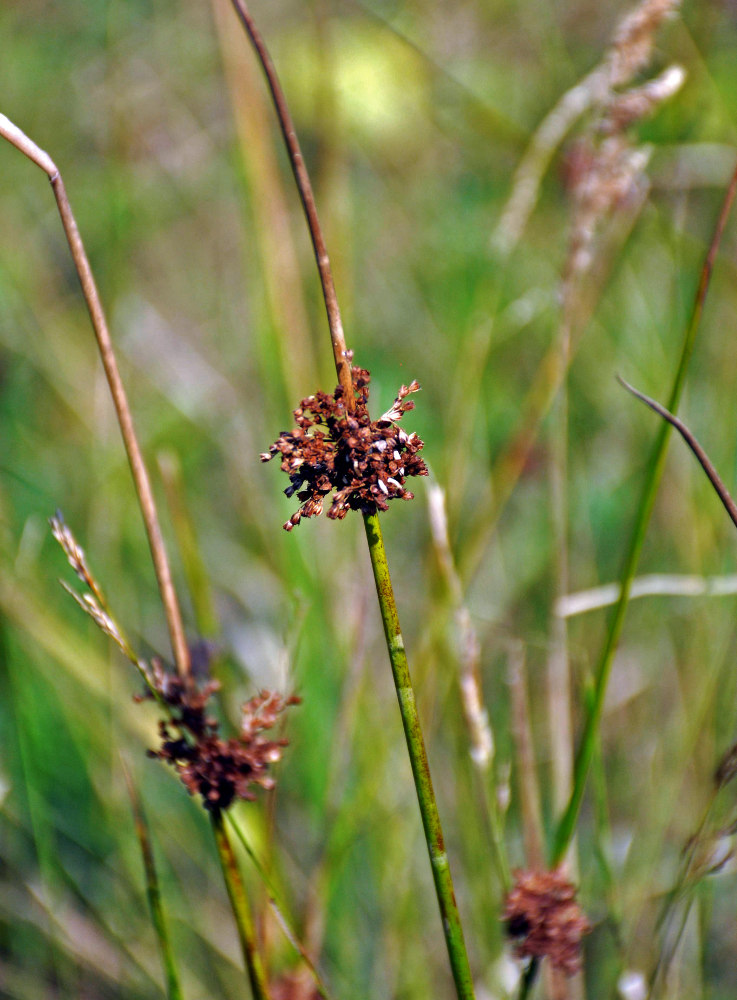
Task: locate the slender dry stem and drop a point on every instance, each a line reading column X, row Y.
column 711, row 473
column 529, row 790
column 26, row 146
column 340, row 352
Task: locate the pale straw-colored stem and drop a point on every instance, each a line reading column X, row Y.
column 42, row 159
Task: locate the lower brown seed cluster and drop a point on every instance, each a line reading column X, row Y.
column 544, row 919
column 338, row 448
column 220, row 770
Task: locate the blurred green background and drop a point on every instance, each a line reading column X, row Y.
column 413, row 116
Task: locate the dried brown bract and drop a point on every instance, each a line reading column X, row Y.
column 220, row 770
column 545, row 920
column 366, row 462
column 727, row 769
column 294, row 986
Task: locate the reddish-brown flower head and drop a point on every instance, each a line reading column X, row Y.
column 545, row 920
column 366, row 462
column 220, row 770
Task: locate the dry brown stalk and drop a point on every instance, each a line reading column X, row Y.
column 42, row 159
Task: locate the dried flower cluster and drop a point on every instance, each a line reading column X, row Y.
column 220, row 770
column 364, row 461
column 545, row 920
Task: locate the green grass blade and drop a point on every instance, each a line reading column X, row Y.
column 567, row 824
column 153, row 892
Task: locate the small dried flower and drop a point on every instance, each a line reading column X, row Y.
column 545, row 920
column 364, row 461
column 220, row 770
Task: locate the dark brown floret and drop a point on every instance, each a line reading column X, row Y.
column 545, row 920
column 220, row 770
column 366, row 462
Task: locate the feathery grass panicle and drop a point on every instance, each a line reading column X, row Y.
column 628, row 55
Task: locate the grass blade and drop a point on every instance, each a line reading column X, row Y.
column 567, row 823
column 153, row 891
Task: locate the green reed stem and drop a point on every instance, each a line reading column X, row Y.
column 153, row 892
column 408, row 708
column 241, row 910
column 418, row 760
column 567, row 824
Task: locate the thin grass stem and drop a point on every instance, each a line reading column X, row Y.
column 418, row 760
column 172, row 611
column 302, row 179
column 567, row 824
column 241, row 909
column 278, row 911
column 153, row 891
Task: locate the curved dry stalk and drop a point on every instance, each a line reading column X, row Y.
column 711, row 473
column 340, row 351
column 172, row 611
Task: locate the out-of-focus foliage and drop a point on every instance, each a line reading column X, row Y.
column 413, row 117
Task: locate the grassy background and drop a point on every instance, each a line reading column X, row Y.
column 413, row 116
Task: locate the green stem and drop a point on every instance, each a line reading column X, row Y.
column 567, row 824
column 241, row 910
column 418, row 760
column 153, row 891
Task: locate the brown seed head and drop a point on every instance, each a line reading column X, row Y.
column 545, row 920
column 220, row 770
column 364, row 463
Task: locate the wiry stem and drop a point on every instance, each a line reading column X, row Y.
column 400, row 668
column 241, row 909
column 21, row 141
column 153, row 890
column 711, row 473
column 302, row 179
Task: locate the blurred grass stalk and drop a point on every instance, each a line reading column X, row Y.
column 567, row 824
column 451, row 921
column 153, row 890
column 234, row 884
